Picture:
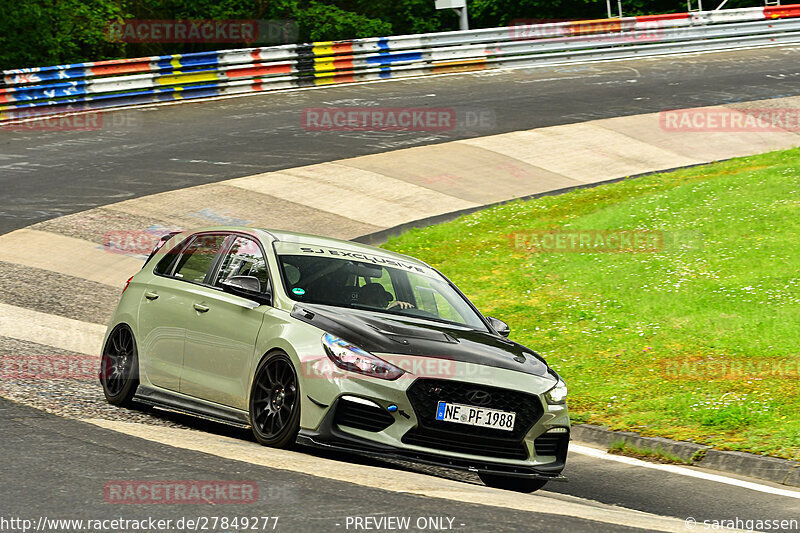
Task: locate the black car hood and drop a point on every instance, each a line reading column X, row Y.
column 376, row 332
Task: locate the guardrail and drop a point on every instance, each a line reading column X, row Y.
column 98, row 85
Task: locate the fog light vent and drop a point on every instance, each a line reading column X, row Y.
column 360, row 413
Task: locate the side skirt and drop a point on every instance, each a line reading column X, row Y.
column 178, row 403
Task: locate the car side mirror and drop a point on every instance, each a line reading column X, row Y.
column 247, row 287
column 499, row 326
column 248, row 283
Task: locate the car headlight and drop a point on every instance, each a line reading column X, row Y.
column 350, row 357
column 558, row 394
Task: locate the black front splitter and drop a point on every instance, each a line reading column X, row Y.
column 341, row 442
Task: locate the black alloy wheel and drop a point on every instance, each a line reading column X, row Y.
column 275, row 402
column 119, row 367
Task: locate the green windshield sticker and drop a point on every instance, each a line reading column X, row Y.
column 298, row 291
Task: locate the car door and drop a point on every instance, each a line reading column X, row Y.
column 166, row 307
column 223, row 329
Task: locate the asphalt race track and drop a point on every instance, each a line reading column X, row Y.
column 288, row 496
column 64, row 464
column 49, row 174
column 56, row 467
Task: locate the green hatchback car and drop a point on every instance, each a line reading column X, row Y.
column 335, row 344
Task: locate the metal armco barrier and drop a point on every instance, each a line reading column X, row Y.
column 97, row 85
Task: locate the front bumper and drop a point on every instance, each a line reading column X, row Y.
column 331, row 435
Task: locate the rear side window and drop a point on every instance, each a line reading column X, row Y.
column 164, row 266
column 160, row 244
column 199, row 257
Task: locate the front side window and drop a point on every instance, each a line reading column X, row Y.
column 198, row 258
column 370, row 282
column 244, row 259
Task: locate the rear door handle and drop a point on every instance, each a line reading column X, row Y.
column 200, row 308
column 151, row 295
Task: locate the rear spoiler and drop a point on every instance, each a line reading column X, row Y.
column 161, row 242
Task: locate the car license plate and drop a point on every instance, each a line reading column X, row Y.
column 475, row 416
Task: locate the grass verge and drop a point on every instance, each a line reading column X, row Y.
column 657, row 455
column 698, row 340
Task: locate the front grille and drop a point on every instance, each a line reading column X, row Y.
column 425, row 394
column 361, row 416
column 552, row 444
column 444, row 440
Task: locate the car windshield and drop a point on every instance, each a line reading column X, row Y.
column 372, row 282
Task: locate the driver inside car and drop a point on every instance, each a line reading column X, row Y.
column 374, row 295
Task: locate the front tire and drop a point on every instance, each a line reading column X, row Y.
column 517, row 484
column 119, row 367
column 275, row 402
